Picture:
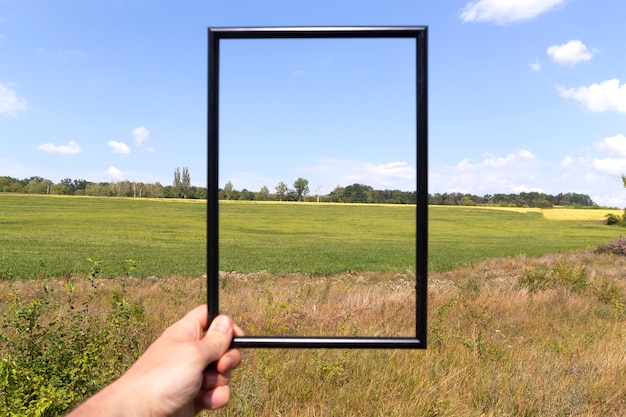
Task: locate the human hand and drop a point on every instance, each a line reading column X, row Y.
column 181, row 373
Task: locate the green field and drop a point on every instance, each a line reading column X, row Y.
column 52, row 236
column 514, row 336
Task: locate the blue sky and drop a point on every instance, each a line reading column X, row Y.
column 524, row 95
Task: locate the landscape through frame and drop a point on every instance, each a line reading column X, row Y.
column 419, row 35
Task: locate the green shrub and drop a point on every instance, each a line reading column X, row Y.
column 613, row 219
column 609, row 293
column 54, row 353
column 535, row 280
column 573, row 278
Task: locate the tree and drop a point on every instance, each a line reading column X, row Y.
column 38, row 185
column 301, row 186
column 124, row 188
column 58, row 189
column 70, row 188
column 154, row 190
column 201, row 193
column 177, row 184
column 357, row 193
column 336, row 195
column 263, row 194
column 80, row 186
column 168, row 191
column 246, row 195
column 228, row 190
column 467, row 201
column 138, row 189
column 281, row 190
column 186, row 182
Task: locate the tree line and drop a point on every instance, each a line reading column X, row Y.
column 355, row 193
column 181, row 187
column 361, row 193
column 299, row 191
column 524, row 199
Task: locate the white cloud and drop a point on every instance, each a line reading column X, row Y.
column 115, row 173
column 506, row 11
column 615, row 143
column 391, row 175
column 523, row 153
column 493, row 161
column 608, row 201
column 567, row 161
column 535, row 66
column 391, row 170
column 525, row 189
column 616, row 163
column 69, row 149
column 612, row 166
column 10, row 103
column 494, row 174
column 119, row 147
column 569, row 53
column 141, row 136
column 608, row 95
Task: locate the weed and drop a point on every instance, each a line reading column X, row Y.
column 95, row 267
column 330, row 370
column 476, row 344
column 438, row 327
column 131, row 266
column 609, row 293
column 343, row 321
column 574, row 278
column 534, row 280
column 7, row 274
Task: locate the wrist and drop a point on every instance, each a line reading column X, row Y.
column 113, row 400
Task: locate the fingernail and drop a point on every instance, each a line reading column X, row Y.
column 221, row 324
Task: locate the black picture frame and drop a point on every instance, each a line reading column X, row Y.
column 419, row 33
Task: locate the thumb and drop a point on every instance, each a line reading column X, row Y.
column 219, row 337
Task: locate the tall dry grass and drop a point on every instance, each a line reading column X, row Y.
column 507, row 337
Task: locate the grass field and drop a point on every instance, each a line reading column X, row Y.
column 48, row 236
column 537, row 332
column 509, row 337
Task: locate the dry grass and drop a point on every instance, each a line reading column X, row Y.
column 497, row 347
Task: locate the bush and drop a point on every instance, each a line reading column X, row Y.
column 574, row 279
column 54, row 353
column 614, row 219
column 616, row 246
column 609, row 293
